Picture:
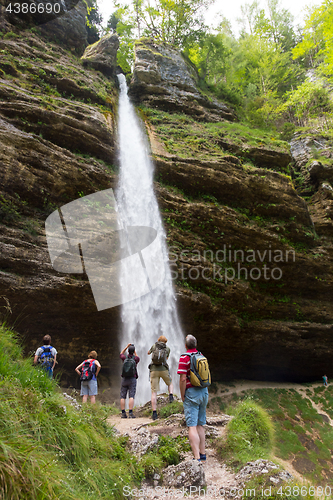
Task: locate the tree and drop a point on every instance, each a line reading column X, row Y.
column 93, row 21
column 177, row 22
column 122, row 22
column 316, row 48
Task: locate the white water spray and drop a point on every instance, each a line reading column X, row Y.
column 154, row 314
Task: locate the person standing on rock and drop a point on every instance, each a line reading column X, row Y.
column 195, row 401
column 159, row 368
column 88, row 371
column 46, row 356
column 129, row 376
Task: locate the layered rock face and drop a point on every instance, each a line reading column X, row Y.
column 102, row 55
column 162, row 78
column 313, row 157
column 57, row 143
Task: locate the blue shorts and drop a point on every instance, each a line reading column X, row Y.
column 89, row 388
column 195, row 402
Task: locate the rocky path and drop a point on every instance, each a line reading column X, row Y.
column 218, row 477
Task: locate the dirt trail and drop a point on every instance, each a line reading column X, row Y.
column 245, row 385
column 218, row 476
column 317, row 407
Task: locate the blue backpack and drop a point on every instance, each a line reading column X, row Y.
column 46, row 359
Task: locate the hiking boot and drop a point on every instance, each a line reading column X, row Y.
column 203, row 457
column 171, row 398
column 131, row 415
column 154, row 417
column 123, row 415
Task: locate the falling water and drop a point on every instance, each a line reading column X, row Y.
column 153, row 314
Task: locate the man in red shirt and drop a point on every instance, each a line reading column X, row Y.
column 195, row 401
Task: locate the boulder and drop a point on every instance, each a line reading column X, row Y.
column 102, row 55
column 163, row 78
column 264, row 467
column 24, row 20
column 184, row 475
column 69, row 29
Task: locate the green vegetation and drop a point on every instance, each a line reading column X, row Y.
column 48, row 449
column 185, row 137
column 170, row 409
column 168, row 451
column 250, row 434
column 301, row 434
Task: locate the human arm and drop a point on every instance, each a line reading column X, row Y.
column 122, row 352
column 182, row 385
column 78, row 368
column 54, row 361
column 35, row 359
column 151, row 349
column 97, row 363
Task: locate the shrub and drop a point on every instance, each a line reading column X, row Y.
column 250, row 433
column 171, row 408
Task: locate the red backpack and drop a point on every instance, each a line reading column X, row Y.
column 88, row 370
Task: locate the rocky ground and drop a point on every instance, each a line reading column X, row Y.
column 214, row 475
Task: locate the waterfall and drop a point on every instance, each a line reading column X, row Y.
column 153, row 314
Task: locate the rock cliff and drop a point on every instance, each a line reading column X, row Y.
column 163, row 78
column 219, row 191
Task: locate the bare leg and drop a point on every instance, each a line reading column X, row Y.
column 92, row 400
column 202, row 444
column 170, row 388
column 122, row 404
column 154, row 400
column 130, row 403
column 194, row 441
column 84, row 399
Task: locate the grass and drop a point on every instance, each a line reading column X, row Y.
column 48, row 449
column 302, row 437
column 250, row 434
column 170, row 409
column 185, row 137
column 168, row 451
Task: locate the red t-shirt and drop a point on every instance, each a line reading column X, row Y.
column 185, row 366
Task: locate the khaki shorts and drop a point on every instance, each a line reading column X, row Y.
column 155, row 379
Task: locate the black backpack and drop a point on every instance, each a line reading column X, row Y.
column 88, row 370
column 129, row 367
column 46, row 359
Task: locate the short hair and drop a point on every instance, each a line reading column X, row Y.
column 47, row 339
column 92, row 354
column 162, row 339
column 131, row 349
column 190, row 342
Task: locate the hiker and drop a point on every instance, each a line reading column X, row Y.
column 46, row 356
column 195, row 400
column 159, row 368
column 88, row 371
column 129, row 376
column 325, row 379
